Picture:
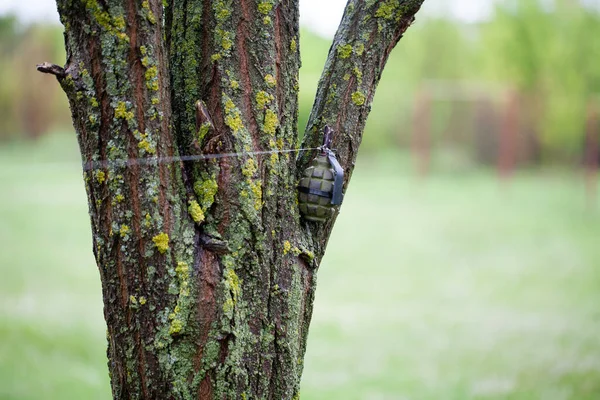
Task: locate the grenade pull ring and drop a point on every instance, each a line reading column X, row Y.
column 327, row 139
column 337, row 195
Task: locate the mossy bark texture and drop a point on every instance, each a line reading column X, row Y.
column 208, row 271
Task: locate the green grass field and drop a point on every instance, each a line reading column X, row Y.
column 456, row 287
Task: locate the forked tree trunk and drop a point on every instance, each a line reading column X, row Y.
column 208, row 271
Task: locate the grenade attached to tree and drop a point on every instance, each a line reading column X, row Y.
column 320, row 188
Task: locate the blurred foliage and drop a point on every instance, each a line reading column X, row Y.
column 544, row 50
column 547, row 50
column 31, row 104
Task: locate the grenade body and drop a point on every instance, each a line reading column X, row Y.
column 315, row 190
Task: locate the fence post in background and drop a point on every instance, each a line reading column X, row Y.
column 485, row 130
column 507, row 149
column 421, row 140
column 592, row 151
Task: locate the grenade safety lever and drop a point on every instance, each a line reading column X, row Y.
column 336, row 196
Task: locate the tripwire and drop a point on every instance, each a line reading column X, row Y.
column 93, row 165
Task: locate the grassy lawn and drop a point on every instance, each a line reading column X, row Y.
column 456, row 287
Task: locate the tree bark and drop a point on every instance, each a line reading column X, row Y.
column 208, row 271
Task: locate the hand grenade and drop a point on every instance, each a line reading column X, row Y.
column 320, row 188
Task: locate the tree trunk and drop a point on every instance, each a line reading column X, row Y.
column 208, row 271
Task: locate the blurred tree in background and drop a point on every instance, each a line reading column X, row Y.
column 546, row 51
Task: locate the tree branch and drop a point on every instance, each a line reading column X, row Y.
column 53, row 69
column 367, row 34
